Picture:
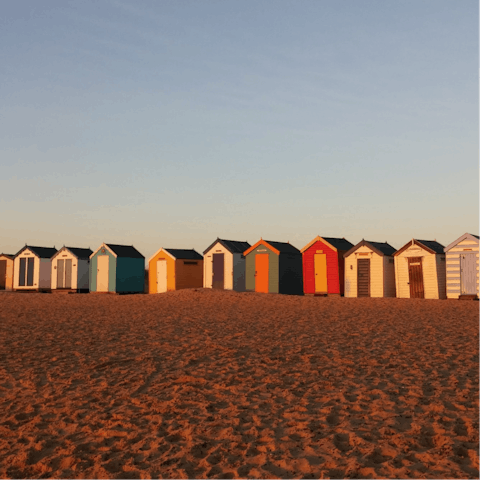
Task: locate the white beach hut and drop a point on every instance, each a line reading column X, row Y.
column 462, row 267
column 224, row 265
column 32, row 268
column 70, row 270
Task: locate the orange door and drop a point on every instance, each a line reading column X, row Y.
column 261, row 272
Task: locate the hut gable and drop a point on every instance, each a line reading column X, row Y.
column 378, row 247
column 462, row 266
column 232, row 246
column 420, row 270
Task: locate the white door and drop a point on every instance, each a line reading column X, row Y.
column 102, row 273
column 161, row 276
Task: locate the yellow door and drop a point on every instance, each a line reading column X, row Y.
column 321, row 273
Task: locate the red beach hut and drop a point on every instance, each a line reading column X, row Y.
column 323, row 265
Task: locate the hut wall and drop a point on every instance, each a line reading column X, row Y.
column 130, row 275
column 441, row 276
column 63, row 255
column 36, row 271
column 81, row 278
column 467, row 245
column 45, row 274
column 152, row 271
column 376, row 272
column 272, row 269
column 290, row 274
column 112, row 271
column 429, row 268
column 228, row 266
column 333, row 278
column 8, row 273
column 238, row 268
column 389, row 288
column 188, row 274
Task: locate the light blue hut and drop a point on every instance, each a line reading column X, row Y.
column 117, row 269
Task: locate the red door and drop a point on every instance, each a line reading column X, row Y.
column 261, row 272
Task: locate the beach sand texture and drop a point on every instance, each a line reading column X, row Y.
column 199, row 383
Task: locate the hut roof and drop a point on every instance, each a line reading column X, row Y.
column 430, row 246
column 8, row 255
column 184, row 254
column 42, row 252
column 233, row 246
column 339, row 243
column 127, row 251
column 283, row 247
column 471, row 236
column 381, row 248
column 80, row 252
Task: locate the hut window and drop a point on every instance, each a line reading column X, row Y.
column 190, row 263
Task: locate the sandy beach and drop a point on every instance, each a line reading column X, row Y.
column 200, row 383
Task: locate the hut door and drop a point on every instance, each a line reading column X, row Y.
column 102, row 273
column 68, row 273
column 363, row 277
column 30, row 266
column 218, row 271
column 161, row 276
column 468, row 274
column 415, row 276
column 3, row 274
column 261, row 272
column 320, row 273
column 60, row 273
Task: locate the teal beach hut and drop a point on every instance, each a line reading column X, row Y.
column 117, row 269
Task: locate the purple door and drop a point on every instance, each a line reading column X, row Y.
column 468, row 274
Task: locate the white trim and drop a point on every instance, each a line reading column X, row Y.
column 103, row 245
column 459, row 239
column 158, row 251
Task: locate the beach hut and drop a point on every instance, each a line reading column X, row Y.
column 323, row 265
column 462, row 267
column 175, row 269
column 117, row 269
column 420, row 270
column 273, row 267
column 32, row 269
column 370, row 270
column 224, row 265
column 70, row 270
column 6, row 271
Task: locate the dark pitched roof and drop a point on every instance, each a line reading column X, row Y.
column 127, row 251
column 42, row 252
column 9, row 255
column 339, row 243
column 233, row 246
column 378, row 247
column 474, row 235
column 80, row 252
column 283, row 247
column 184, row 254
column 432, row 245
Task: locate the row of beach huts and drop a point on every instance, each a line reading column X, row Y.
column 325, row 266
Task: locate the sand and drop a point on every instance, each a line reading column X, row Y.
column 201, row 383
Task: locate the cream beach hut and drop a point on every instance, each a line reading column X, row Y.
column 224, row 265
column 420, row 270
column 32, row 269
column 462, row 267
column 6, row 271
column 369, row 270
column 70, row 270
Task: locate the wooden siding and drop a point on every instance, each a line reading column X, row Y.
column 8, row 273
column 152, row 271
column 36, row 271
column 64, row 254
column 333, row 273
column 290, row 279
column 130, row 275
column 433, row 279
column 272, row 272
column 389, row 288
column 468, row 245
column 376, row 272
column 112, row 270
column 238, row 272
column 228, row 266
column 188, row 275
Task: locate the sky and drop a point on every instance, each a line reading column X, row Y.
column 171, row 123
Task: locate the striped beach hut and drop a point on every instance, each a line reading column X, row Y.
column 273, row 267
column 32, row 269
column 323, row 265
column 462, row 267
column 117, row 269
column 420, row 270
column 6, row 271
column 70, row 270
column 224, row 265
column 175, row 269
column 370, row 270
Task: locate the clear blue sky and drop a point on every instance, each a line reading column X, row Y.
column 172, row 123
